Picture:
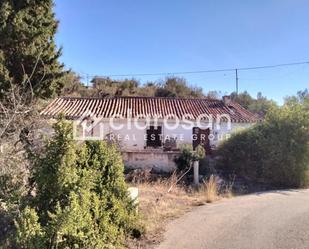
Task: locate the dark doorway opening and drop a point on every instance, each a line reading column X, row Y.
column 201, row 137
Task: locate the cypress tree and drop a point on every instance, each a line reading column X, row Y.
column 28, row 53
column 81, row 196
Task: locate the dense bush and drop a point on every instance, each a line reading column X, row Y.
column 81, row 197
column 275, row 151
column 188, row 155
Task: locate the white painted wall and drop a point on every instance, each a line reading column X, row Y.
column 131, row 138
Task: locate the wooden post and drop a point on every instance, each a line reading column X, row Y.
column 196, row 172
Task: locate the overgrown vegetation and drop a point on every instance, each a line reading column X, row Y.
column 188, row 156
column 259, row 105
column 210, row 188
column 81, row 198
column 276, row 151
column 29, row 72
column 159, row 203
column 103, row 87
column 168, row 87
column 165, row 197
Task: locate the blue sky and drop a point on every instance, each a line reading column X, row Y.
column 124, row 37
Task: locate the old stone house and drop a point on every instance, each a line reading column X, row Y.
column 150, row 130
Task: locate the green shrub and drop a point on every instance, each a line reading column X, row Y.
column 30, row 233
column 275, row 151
column 188, row 155
column 81, row 197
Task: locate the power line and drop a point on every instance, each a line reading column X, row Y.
column 236, row 70
column 205, row 71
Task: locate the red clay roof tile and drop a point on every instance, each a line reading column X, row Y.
column 75, row 107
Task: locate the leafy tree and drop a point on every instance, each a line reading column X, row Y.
column 73, row 85
column 244, row 99
column 178, row 87
column 164, row 92
column 81, row 197
column 147, row 90
column 170, row 87
column 259, row 105
column 108, row 87
column 302, row 97
column 28, row 54
column 105, row 86
column 214, row 95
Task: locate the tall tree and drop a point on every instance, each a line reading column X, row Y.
column 28, row 53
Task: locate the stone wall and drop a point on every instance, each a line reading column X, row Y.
column 158, row 160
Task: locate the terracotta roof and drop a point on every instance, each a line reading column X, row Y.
column 75, row 107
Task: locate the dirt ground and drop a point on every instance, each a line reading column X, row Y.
column 159, row 203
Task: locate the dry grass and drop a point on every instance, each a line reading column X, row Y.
column 163, row 200
column 157, row 206
column 228, row 190
column 210, row 189
column 213, row 189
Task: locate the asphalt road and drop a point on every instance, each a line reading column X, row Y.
column 259, row 221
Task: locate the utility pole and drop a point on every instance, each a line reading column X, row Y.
column 87, row 79
column 236, row 74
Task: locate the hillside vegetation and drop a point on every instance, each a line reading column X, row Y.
column 176, row 87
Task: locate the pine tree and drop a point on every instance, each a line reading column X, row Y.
column 28, row 53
